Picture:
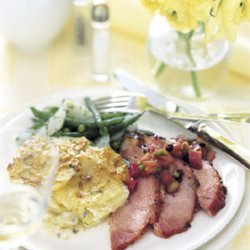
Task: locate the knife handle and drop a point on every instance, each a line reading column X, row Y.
column 236, row 151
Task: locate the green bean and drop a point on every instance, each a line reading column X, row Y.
column 91, row 106
column 112, row 121
column 88, row 134
column 76, row 122
column 45, row 115
column 39, row 114
column 70, row 134
column 52, row 109
column 37, row 125
column 109, row 115
column 71, row 122
column 128, row 120
column 97, row 116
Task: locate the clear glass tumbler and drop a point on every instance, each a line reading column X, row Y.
column 21, row 210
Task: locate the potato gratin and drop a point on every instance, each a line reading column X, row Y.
column 88, row 186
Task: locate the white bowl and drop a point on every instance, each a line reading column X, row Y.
column 32, row 24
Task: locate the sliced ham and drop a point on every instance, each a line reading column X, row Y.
column 132, row 148
column 129, row 222
column 177, row 209
column 211, row 192
column 199, row 184
column 136, row 144
column 138, row 147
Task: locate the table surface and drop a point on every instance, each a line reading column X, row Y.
column 25, row 76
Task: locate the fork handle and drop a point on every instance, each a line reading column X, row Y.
column 236, row 151
column 241, row 117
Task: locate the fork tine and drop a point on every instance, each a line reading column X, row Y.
column 112, row 105
column 114, row 98
column 121, row 110
column 113, row 101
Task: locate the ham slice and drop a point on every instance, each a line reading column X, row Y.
column 129, row 222
column 136, row 144
column 177, row 209
column 132, row 147
column 211, row 192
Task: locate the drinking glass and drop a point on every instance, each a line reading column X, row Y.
column 21, row 210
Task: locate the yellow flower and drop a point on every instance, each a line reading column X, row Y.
column 152, row 5
column 185, row 14
column 221, row 17
column 242, row 12
column 179, row 14
column 227, row 14
column 202, row 8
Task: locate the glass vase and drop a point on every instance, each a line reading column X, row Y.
column 183, row 64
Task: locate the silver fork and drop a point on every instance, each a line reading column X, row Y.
column 134, row 103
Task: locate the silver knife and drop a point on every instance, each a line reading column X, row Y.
column 200, row 128
column 175, row 108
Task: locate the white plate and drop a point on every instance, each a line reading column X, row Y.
column 204, row 227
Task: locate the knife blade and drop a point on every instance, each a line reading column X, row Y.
column 200, row 128
column 130, row 83
column 157, row 100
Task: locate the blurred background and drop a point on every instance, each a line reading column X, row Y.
column 50, row 45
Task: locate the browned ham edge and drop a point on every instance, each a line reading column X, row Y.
column 132, row 147
column 129, row 222
column 211, row 192
column 177, row 209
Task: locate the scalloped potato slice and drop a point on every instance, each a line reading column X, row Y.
column 92, row 205
column 34, row 161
